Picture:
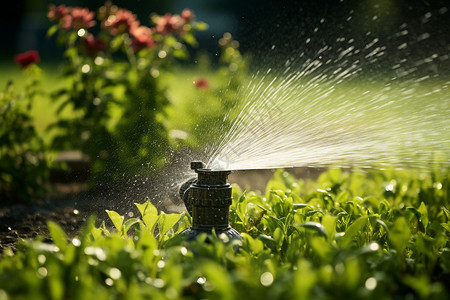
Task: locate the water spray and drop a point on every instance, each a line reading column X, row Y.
column 208, row 198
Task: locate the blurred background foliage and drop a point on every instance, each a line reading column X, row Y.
column 192, row 93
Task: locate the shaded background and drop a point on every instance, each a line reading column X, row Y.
column 259, row 25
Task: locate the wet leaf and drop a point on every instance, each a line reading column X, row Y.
column 317, row 227
column 116, row 219
column 58, row 235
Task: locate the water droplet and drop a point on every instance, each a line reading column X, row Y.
column 371, row 283
column 115, row 273
column 266, row 279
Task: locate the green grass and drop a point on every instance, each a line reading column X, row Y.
column 377, row 235
column 180, row 88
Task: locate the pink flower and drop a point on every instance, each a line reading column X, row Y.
column 168, row 23
column 93, row 45
column 124, row 21
column 201, row 83
column 57, row 13
column 142, row 38
column 27, row 58
column 79, row 18
column 187, row 15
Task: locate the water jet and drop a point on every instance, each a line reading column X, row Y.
column 207, row 199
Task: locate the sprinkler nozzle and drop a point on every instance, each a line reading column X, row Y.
column 207, row 199
column 197, row 164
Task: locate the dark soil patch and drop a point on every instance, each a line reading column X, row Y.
column 72, row 204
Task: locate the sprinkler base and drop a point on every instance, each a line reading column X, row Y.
column 208, row 198
column 191, row 234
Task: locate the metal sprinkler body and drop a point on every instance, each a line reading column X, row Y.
column 208, row 198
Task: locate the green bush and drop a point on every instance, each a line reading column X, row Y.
column 382, row 234
column 114, row 85
column 23, row 159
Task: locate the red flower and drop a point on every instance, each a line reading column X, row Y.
column 57, row 13
column 93, row 45
column 168, row 23
column 79, row 18
column 201, row 83
column 142, row 38
column 124, row 21
column 187, row 15
column 27, row 58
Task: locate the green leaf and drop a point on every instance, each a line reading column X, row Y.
column 201, row 26
column 400, row 234
column 52, row 30
column 166, row 222
column 149, row 214
column 189, row 38
column 58, row 236
column 423, row 215
column 446, row 226
column 278, row 236
column 352, row 231
column 116, row 219
column 446, row 212
column 329, row 224
column 146, row 208
column 128, row 224
column 252, row 245
column 314, row 226
column 301, row 205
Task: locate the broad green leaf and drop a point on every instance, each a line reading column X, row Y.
column 201, row 26
column 446, row 226
column 329, row 224
column 166, row 222
column 305, row 279
column 146, row 208
column 252, row 245
column 52, row 30
column 146, row 238
column 58, row 236
column 317, row 227
column 128, row 224
column 400, row 234
column 116, row 219
column 149, row 214
column 278, row 236
column 352, row 231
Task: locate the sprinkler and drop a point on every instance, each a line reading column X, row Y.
column 207, row 199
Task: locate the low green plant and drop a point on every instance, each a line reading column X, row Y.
column 380, row 234
column 23, row 160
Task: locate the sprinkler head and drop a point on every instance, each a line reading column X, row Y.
column 208, row 198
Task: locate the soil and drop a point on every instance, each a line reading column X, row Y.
column 71, row 203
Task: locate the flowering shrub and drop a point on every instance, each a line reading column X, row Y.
column 114, row 85
column 23, row 164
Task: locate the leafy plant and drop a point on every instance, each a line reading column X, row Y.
column 114, row 84
column 338, row 236
column 212, row 104
column 23, row 161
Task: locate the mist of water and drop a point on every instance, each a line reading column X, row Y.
column 325, row 105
